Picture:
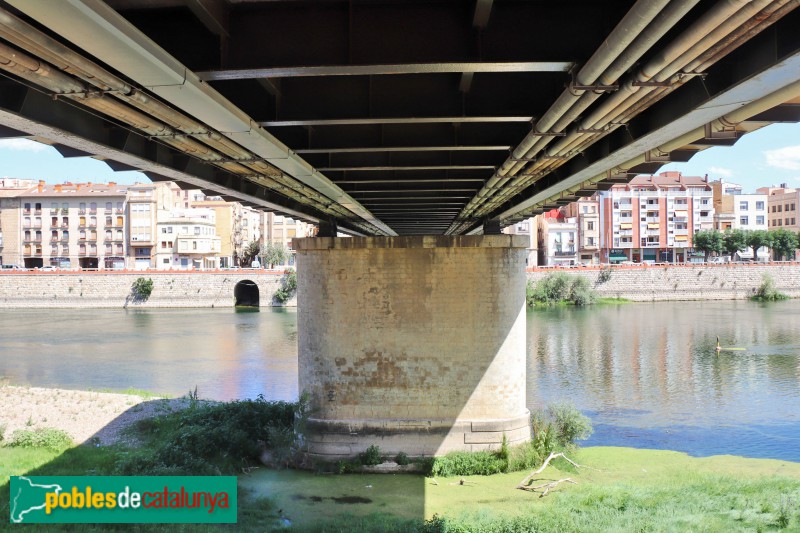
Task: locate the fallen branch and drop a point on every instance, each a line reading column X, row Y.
column 524, row 483
column 548, row 486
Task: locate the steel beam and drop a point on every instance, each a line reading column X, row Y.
column 390, row 120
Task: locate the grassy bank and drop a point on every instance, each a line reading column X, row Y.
column 625, row 490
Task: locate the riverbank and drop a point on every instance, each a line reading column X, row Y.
column 615, row 489
column 646, row 283
column 114, row 289
column 87, row 416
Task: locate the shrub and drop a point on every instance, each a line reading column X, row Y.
column 402, row 459
column 371, row 456
column 568, row 423
column 559, row 287
column 142, row 289
column 767, row 291
column 50, row 438
column 215, row 438
column 288, row 287
column 604, row 275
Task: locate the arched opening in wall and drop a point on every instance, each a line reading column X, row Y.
column 246, row 294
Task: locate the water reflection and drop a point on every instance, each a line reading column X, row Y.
column 647, row 374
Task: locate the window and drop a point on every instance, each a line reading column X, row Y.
column 760, row 220
column 590, row 225
column 197, row 230
column 787, row 221
column 590, row 241
column 82, row 207
column 792, row 206
column 93, row 222
column 786, row 207
column 119, row 206
column 773, row 208
column 53, row 207
column 244, row 223
column 743, row 206
column 166, row 260
column 792, row 221
column 194, row 245
column 28, row 207
column 759, row 206
column 780, row 207
column 744, row 221
column 108, row 206
column 93, row 207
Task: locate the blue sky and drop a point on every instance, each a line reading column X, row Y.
column 768, row 156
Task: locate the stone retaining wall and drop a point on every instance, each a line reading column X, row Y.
column 113, row 289
column 690, row 282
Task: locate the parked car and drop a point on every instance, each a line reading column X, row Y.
column 718, row 260
column 11, row 267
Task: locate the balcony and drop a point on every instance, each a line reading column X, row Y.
column 566, row 253
column 65, row 237
column 82, row 211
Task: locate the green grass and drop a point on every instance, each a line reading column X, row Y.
column 604, row 300
column 630, row 490
column 130, row 391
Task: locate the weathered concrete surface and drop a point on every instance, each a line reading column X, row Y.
column 113, row 289
column 415, row 344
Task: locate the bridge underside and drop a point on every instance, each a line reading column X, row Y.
column 413, row 124
column 400, row 117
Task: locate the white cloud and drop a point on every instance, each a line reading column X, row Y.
column 788, row 157
column 726, row 172
column 22, row 145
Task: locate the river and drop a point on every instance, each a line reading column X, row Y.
column 648, row 375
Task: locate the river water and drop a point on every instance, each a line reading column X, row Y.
column 648, row 375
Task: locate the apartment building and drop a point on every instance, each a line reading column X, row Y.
column 557, row 239
column 187, row 239
column 10, row 244
column 735, row 210
column 144, row 200
column 73, row 225
column 237, row 226
column 279, row 229
column 782, row 205
column 653, row 218
column 587, row 213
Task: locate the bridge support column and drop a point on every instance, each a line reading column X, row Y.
column 414, row 344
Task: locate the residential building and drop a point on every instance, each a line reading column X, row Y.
column 782, row 204
column 653, row 218
column 281, row 230
column 143, row 204
column 74, row 225
column 557, row 239
column 10, row 231
column 187, row 239
column 237, row 226
column 587, row 212
column 735, row 210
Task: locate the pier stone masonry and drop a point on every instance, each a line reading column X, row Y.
column 414, row 344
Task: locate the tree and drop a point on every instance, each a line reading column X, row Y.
column 274, row 254
column 708, row 241
column 784, row 243
column 250, row 252
column 734, row 240
column 756, row 239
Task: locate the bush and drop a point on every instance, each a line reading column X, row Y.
column 402, row 459
column 288, row 287
column 767, row 292
column 142, row 289
column 370, row 457
column 216, row 438
column 50, row 438
column 604, row 275
column 559, row 287
column 568, row 423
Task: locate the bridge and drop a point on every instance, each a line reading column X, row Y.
column 423, row 127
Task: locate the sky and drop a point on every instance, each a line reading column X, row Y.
column 769, row 156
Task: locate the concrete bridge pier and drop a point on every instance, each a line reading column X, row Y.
column 414, row 344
